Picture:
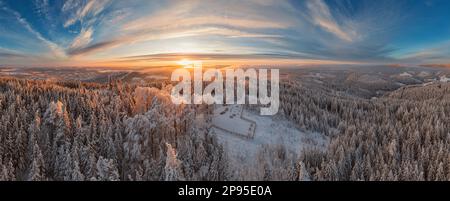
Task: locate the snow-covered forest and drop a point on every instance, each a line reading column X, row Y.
column 122, row 131
column 75, row 131
column 404, row 135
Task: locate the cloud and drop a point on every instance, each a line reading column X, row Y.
column 85, row 12
column 218, row 59
column 53, row 47
column 165, row 35
column 83, row 38
column 204, row 57
column 80, row 12
column 88, row 30
column 437, row 53
column 70, row 4
column 9, row 55
column 321, row 16
column 94, row 47
column 184, row 19
column 42, row 8
column 15, row 58
column 168, row 22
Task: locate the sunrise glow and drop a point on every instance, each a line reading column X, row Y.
column 154, row 33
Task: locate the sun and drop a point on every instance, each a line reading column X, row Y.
column 186, row 63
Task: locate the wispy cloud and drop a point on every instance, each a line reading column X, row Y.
column 334, row 30
column 85, row 12
column 83, row 38
column 185, row 19
column 7, row 54
column 80, row 10
column 321, row 16
column 172, row 21
column 436, row 54
column 43, row 8
column 53, row 47
column 199, row 56
column 166, row 35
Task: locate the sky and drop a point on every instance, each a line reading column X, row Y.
column 140, row 33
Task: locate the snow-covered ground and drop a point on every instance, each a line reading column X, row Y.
column 423, row 74
column 405, row 74
column 444, row 79
column 243, row 153
column 228, row 119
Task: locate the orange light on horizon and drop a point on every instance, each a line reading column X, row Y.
column 186, row 63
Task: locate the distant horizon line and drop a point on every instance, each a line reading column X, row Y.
column 285, row 66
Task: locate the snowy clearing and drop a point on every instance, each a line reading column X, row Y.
column 229, row 119
column 243, row 152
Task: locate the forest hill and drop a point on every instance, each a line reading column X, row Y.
column 235, row 80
